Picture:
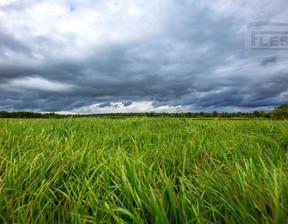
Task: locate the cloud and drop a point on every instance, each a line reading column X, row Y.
column 34, row 83
column 125, row 55
column 136, row 107
column 269, row 60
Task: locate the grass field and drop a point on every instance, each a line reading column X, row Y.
column 143, row 170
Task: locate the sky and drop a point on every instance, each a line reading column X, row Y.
column 103, row 56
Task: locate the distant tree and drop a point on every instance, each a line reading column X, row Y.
column 214, row 113
column 280, row 112
column 189, row 114
column 225, row 114
column 268, row 115
column 256, row 113
column 262, row 113
column 238, row 114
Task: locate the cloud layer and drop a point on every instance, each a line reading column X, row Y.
column 126, row 55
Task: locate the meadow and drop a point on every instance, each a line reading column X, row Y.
column 143, row 170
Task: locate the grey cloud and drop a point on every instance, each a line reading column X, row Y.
column 197, row 61
column 8, row 41
column 269, row 60
column 127, row 103
column 105, row 105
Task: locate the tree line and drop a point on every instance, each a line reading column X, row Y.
column 280, row 112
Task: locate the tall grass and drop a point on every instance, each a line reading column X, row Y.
column 143, row 170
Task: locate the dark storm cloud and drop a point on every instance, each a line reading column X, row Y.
column 127, row 103
column 269, row 60
column 105, row 105
column 190, row 55
column 8, row 42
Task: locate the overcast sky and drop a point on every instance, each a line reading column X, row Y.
column 100, row 56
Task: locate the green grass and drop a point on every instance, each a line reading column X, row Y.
column 143, row 170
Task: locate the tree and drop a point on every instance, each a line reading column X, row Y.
column 238, row 114
column 262, row 113
column 214, row 113
column 225, row 114
column 256, row 113
column 280, row 112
